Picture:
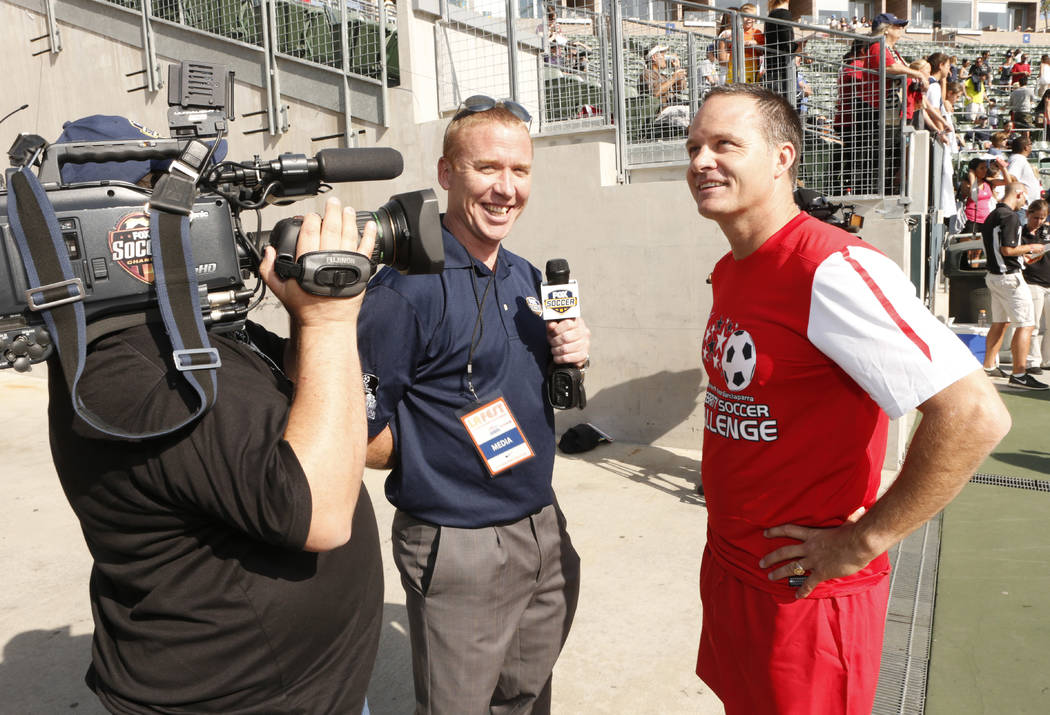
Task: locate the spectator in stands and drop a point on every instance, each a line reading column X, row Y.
column 708, row 71
column 939, row 64
column 664, row 79
column 964, row 70
column 723, row 42
column 977, row 190
column 1037, row 276
column 915, row 112
column 1044, row 75
column 1021, row 169
column 980, row 136
column 1006, row 67
column 998, row 144
column 850, row 126
column 754, row 42
column 1020, row 69
column 974, row 89
column 891, row 28
column 779, row 47
column 953, row 68
column 1011, row 298
column 661, row 78
column 1041, row 112
column 993, row 113
column 802, row 90
column 947, row 138
column 1021, row 101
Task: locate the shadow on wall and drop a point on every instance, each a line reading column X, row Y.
column 645, row 409
column 43, row 672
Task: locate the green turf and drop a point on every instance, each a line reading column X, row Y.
column 1025, row 452
column 991, row 630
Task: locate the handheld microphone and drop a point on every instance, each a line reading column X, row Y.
column 560, row 296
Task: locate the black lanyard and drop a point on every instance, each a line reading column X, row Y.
column 479, row 324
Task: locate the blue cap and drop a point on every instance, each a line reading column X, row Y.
column 101, row 127
column 888, row 18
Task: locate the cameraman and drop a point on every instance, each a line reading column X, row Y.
column 236, row 561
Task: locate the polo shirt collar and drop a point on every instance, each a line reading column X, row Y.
column 456, row 256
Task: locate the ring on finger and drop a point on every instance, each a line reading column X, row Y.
column 797, row 569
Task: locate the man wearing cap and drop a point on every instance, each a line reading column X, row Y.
column 103, row 127
column 814, row 341
column 455, row 366
column 236, row 560
column 654, row 81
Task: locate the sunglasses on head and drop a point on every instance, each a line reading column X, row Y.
column 482, row 103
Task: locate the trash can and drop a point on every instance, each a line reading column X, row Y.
column 967, row 292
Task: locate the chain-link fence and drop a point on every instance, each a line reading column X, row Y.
column 577, row 65
column 310, row 30
column 484, row 49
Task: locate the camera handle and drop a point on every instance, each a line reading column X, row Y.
column 336, row 274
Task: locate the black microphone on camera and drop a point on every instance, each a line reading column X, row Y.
column 297, row 176
column 560, row 296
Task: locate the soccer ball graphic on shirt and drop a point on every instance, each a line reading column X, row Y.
column 738, row 360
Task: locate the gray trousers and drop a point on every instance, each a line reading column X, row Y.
column 488, row 610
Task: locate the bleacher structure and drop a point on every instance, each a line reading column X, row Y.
column 579, row 69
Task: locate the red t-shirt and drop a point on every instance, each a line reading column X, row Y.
column 813, row 342
column 1020, row 69
column 870, row 90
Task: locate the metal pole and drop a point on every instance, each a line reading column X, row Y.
column 153, row 82
column 881, row 188
column 616, row 43
column 344, row 45
column 512, row 51
column 383, row 91
column 738, row 49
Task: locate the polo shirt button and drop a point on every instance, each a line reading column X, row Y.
column 505, row 307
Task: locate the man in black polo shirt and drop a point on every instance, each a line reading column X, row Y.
column 1037, row 275
column 454, row 373
column 223, row 580
column 1011, row 299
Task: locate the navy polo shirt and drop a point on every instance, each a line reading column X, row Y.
column 414, row 336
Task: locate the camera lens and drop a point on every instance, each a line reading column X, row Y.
column 408, row 232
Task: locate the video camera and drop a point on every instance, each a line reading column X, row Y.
column 105, row 224
column 843, row 216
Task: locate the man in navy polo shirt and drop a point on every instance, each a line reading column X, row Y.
column 454, row 368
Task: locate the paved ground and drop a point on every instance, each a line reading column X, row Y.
column 638, row 525
column 633, row 513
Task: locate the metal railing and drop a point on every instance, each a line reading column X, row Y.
column 852, row 138
column 355, row 37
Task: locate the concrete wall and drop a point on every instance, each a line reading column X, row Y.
column 640, row 252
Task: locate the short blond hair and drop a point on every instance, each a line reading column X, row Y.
column 498, row 114
column 749, row 8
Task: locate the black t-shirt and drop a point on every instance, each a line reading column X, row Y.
column 1001, row 228
column 780, row 39
column 1037, row 272
column 202, row 597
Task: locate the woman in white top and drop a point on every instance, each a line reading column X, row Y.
column 1044, row 76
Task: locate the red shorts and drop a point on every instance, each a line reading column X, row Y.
column 814, row 655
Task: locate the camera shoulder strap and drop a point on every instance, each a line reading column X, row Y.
column 58, row 295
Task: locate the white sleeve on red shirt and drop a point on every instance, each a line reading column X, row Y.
column 864, row 315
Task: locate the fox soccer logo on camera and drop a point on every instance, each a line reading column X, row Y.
column 738, row 362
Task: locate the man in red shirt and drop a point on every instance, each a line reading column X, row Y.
column 815, row 340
